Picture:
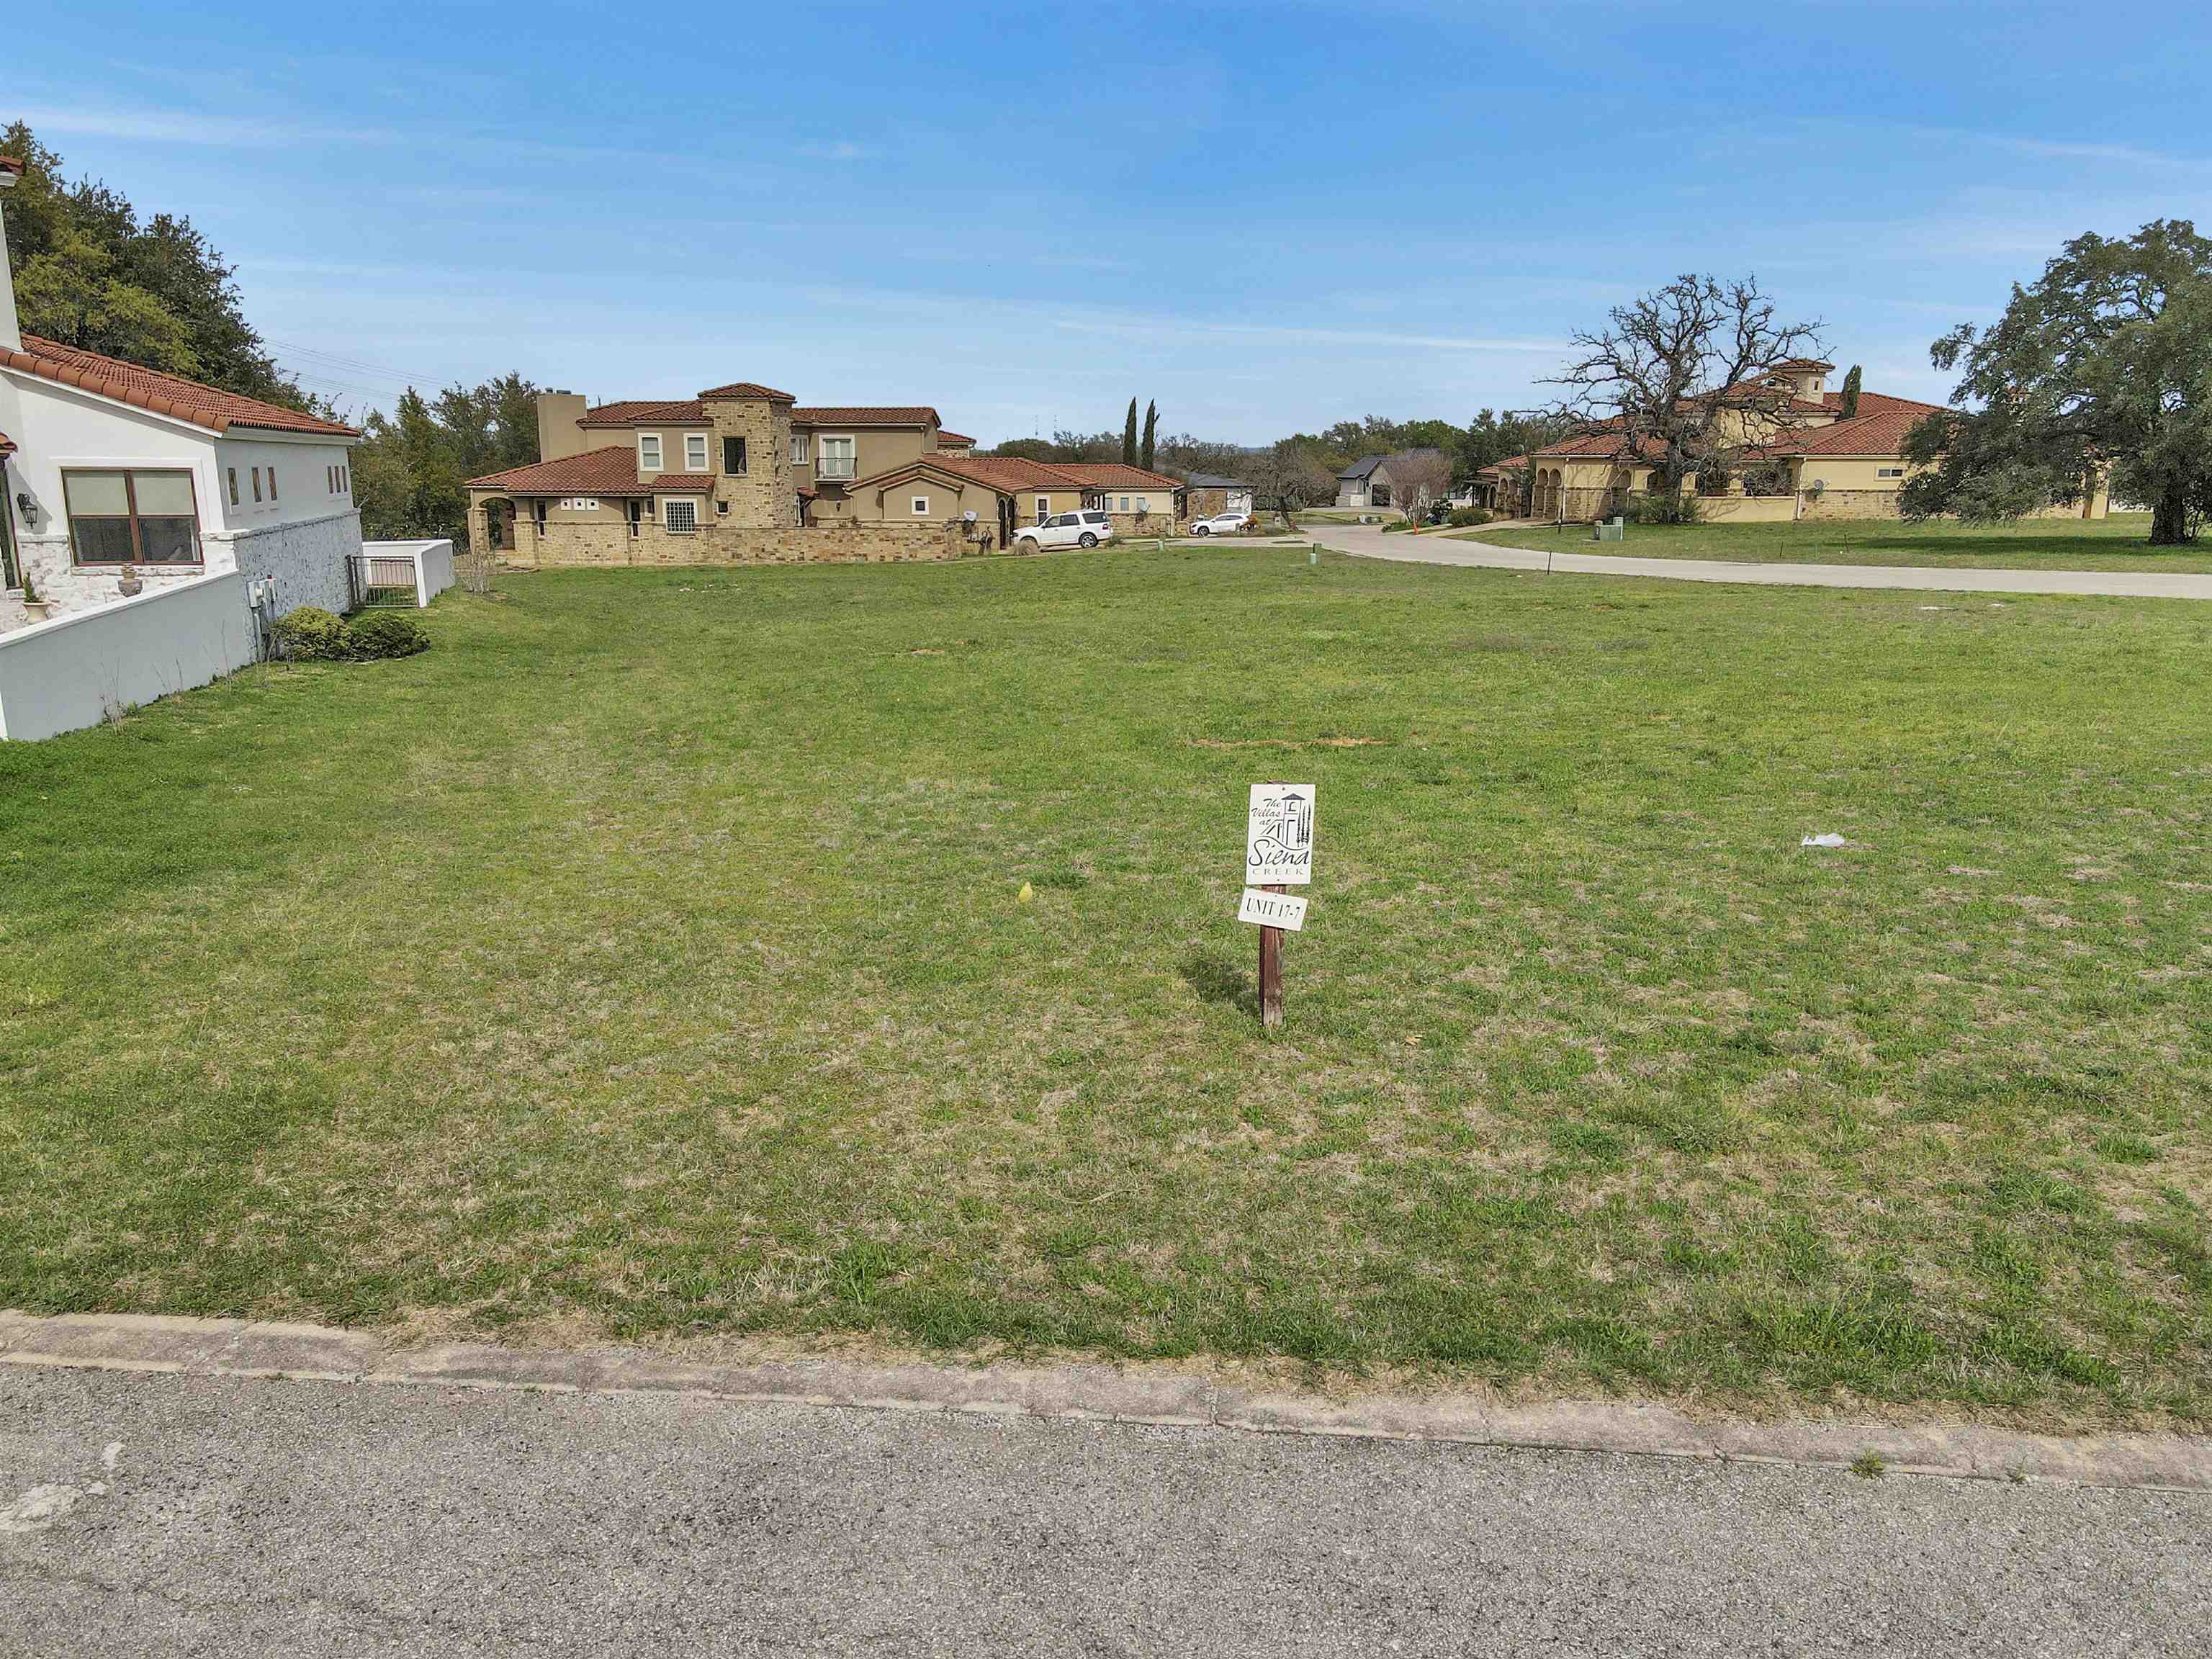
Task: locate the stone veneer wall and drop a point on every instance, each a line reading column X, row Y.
column 767, row 494
column 847, row 542
column 308, row 559
column 1850, row 504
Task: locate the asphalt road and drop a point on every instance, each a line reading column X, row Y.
column 1372, row 543
column 144, row 1513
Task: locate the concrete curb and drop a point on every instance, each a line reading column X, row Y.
column 1104, row 1394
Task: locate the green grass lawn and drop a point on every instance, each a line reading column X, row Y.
column 2118, row 542
column 647, row 959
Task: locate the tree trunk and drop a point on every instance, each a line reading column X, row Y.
column 2169, row 516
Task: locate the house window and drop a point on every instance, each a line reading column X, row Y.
column 346, row 480
column 798, row 449
column 836, row 460
column 637, row 516
column 330, row 481
column 733, row 457
column 538, row 511
column 131, row 518
column 920, row 506
column 1141, row 507
column 1043, row 507
column 233, row 472
column 648, row 452
column 273, row 483
column 1889, row 472
column 682, row 517
column 694, row 451
column 1125, row 503
column 257, row 483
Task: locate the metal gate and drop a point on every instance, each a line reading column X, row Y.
column 378, row 581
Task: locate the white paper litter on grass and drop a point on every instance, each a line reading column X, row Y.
column 1831, row 839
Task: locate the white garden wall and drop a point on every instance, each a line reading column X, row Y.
column 433, row 562
column 71, row 672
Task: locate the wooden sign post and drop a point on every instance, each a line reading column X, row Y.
column 1271, row 969
column 1279, row 836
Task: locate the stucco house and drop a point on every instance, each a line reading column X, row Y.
column 1008, row 494
column 1796, row 458
column 1367, row 481
column 107, row 469
column 724, row 475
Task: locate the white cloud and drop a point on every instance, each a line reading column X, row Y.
column 190, row 127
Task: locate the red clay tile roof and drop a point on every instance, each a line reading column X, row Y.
column 1876, row 402
column 1112, row 475
column 747, row 389
column 682, row 411
column 9, row 164
column 163, row 394
column 7, row 443
column 1510, row 464
column 943, row 436
column 864, row 415
column 1801, row 364
column 1881, row 433
column 682, row 484
column 608, row 472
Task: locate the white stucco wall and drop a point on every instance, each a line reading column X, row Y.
column 293, row 535
column 71, row 672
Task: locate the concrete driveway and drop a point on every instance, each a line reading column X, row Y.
column 1373, row 543
column 181, row 1514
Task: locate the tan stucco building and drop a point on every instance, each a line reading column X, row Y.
column 1797, row 458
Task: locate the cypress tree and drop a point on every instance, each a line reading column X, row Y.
column 1151, row 430
column 1850, row 394
column 1129, row 436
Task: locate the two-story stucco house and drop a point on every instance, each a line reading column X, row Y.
column 111, row 470
column 713, row 477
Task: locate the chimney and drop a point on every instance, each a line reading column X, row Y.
column 558, row 435
column 11, row 337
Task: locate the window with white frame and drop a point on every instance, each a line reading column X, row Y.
column 273, row 483
column 1125, row 503
column 648, row 452
column 836, row 459
column 694, row 451
column 682, row 517
column 1043, row 507
column 1889, row 472
column 798, row 444
column 920, row 506
column 1143, row 506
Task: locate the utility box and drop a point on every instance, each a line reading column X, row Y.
column 1614, row 529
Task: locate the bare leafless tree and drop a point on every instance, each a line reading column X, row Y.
column 1418, row 477
column 1667, row 365
column 1290, row 477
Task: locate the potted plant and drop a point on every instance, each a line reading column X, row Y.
column 35, row 604
column 128, row 582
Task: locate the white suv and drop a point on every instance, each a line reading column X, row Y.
column 1086, row 529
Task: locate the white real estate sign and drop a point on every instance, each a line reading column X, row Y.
column 1284, row 910
column 1279, row 835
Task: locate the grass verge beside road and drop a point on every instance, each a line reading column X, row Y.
column 2119, row 543
column 647, row 959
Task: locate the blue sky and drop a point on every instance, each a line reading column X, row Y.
column 1266, row 216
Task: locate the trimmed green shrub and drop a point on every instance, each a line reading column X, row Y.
column 377, row 633
column 1464, row 517
column 313, row 634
